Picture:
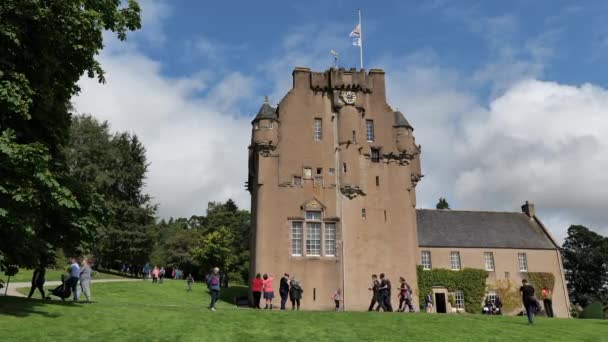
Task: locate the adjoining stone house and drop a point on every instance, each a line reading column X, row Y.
column 509, row 245
column 333, row 171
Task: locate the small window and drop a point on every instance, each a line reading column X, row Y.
column 354, row 137
column 256, row 126
column 330, row 239
column 375, row 155
column 363, row 213
column 313, row 216
column 297, row 180
column 307, row 173
column 344, row 167
column 492, row 296
column 270, row 124
column 377, row 180
column 369, row 130
column 489, row 260
column 507, row 275
column 523, row 262
column 459, row 299
column 455, row 260
column 425, row 256
column 319, row 171
column 332, row 171
column 318, row 130
column 296, row 238
column 318, row 181
column 385, row 217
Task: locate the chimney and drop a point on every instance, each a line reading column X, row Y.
column 528, row 209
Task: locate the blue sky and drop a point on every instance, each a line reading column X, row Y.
column 508, row 99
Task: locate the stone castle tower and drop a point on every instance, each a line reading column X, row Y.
column 332, row 176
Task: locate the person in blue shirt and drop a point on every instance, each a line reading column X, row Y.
column 74, row 277
column 213, row 283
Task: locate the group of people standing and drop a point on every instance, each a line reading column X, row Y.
column 289, row 288
column 381, row 294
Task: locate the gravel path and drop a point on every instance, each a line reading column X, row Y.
column 12, row 287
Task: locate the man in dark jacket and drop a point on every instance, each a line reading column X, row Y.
column 528, row 299
column 383, row 293
column 284, row 290
column 38, row 281
column 374, row 289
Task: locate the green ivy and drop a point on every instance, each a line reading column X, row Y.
column 471, row 281
column 541, row 279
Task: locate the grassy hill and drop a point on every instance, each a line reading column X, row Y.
column 142, row 311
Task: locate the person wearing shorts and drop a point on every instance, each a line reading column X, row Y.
column 268, row 290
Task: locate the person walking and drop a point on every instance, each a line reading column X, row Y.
column 155, row 273
column 213, row 283
column 190, row 281
column 146, row 271
column 86, row 274
column 383, row 293
column 374, row 289
column 528, row 299
column 74, row 277
column 284, row 290
column 38, row 281
column 405, row 296
column 268, row 290
column 547, row 300
column 337, row 297
column 257, row 286
column 295, row 294
column 161, row 275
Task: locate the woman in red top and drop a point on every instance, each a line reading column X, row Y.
column 268, row 290
column 257, row 285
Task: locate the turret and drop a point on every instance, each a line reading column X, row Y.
column 404, row 134
column 265, row 126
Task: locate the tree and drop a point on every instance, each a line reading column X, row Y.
column 45, row 47
column 215, row 250
column 442, row 204
column 585, row 256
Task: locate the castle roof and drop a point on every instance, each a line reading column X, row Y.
column 266, row 112
column 400, row 120
column 480, row 229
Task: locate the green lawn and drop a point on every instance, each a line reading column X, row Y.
column 52, row 274
column 138, row 311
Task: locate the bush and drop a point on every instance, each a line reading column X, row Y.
column 472, row 283
column 538, row 280
column 508, row 293
column 594, row 310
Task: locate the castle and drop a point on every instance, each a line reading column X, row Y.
column 332, row 175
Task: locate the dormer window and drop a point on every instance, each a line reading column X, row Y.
column 270, row 124
column 256, row 125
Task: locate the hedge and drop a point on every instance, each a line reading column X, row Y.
column 471, row 281
column 594, row 310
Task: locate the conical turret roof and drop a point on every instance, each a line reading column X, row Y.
column 266, row 112
column 400, row 120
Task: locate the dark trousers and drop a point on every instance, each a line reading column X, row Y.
column 337, row 304
column 373, row 302
column 39, row 287
column 215, row 294
column 295, row 304
column 382, row 300
column 284, row 296
column 548, row 307
column 530, row 307
column 257, row 295
column 404, row 303
column 73, row 284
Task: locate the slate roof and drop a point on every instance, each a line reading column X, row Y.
column 480, row 229
column 400, row 120
column 266, row 112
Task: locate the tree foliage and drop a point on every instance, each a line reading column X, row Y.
column 45, row 47
column 585, row 257
column 442, row 204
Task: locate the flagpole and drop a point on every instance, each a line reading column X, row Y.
column 360, row 40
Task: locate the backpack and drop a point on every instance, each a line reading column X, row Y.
column 214, row 281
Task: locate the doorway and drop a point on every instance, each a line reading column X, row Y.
column 440, row 303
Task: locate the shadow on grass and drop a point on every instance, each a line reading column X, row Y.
column 23, row 307
column 117, row 273
column 231, row 294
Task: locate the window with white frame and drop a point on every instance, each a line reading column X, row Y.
column 318, row 130
column 455, row 260
column 459, row 299
column 313, row 238
column 492, row 296
column 330, row 239
column 426, row 260
column 296, row 238
column 369, row 130
column 489, row 260
column 523, row 262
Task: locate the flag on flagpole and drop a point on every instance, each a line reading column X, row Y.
column 356, row 35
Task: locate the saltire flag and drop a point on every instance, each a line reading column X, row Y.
column 356, row 35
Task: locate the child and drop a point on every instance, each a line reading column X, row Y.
column 337, row 297
column 190, row 281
